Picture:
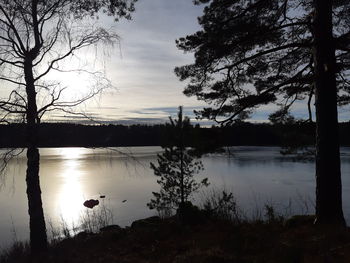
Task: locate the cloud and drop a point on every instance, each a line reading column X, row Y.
column 142, row 68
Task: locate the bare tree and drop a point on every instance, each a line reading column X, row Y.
column 36, row 38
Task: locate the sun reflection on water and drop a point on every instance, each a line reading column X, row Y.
column 70, row 197
column 72, row 153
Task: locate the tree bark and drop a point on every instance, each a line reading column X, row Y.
column 38, row 238
column 32, row 109
column 182, row 150
column 328, row 174
column 37, row 227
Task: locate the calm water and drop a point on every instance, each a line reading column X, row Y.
column 69, row 176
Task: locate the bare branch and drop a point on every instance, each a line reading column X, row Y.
column 7, row 156
column 85, row 41
column 12, row 26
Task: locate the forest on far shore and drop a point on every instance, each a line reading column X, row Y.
column 207, row 139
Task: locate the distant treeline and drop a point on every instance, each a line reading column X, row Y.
column 66, row 134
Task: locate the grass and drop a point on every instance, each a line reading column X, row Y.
column 16, row 253
column 222, row 205
column 167, row 240
column 94, row 219
column 91, row 221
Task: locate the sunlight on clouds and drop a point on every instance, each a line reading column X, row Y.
column 140, row 66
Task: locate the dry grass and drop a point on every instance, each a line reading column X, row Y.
column 167, row 240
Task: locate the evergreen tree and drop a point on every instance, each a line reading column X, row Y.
column 176, row 168
column 251, row 53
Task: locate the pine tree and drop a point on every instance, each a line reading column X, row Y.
column 176, row 168
column 252, row 53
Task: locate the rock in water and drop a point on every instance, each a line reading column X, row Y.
column 91, row 203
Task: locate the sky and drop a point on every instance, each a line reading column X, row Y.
column 140, row 67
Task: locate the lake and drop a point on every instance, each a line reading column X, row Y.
column 69, row 176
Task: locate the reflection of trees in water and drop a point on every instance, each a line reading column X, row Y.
column 254, row 155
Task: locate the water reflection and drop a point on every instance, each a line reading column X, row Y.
column 69, row 176
column 71, row 153
column 70, row 195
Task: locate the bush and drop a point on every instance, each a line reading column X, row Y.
column 222, row 205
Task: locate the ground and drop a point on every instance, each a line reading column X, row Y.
column 217, row 241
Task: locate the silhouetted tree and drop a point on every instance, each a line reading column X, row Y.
column 251, row 53
column 36, row 37
column 175, row 169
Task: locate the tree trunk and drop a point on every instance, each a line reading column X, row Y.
column 182, row 175
column 38, row 238
column 328, row 175
column 182, row 150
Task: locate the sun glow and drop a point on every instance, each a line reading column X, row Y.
column 70, row 199
column 71, row 153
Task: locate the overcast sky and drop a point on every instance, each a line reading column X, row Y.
column 141, row 67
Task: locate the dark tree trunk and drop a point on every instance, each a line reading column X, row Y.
column 182, row 175
column 38, row 238
column 32, row 110
column 328, row 175
column 182, row 151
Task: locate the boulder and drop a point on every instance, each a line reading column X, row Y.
column 111, row 228
column 147, row 222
